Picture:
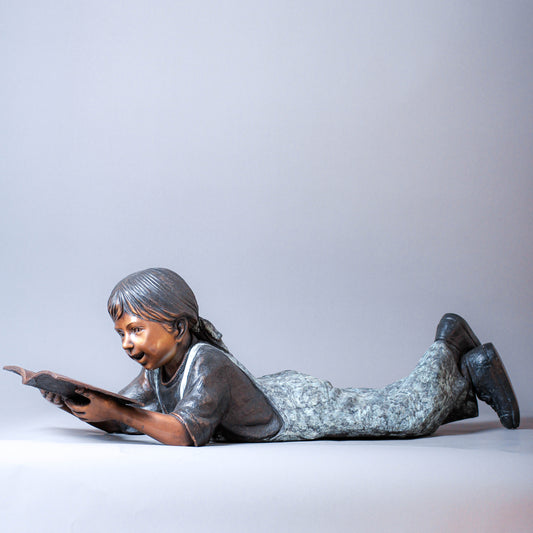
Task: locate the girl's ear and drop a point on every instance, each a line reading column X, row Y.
column 180, row 328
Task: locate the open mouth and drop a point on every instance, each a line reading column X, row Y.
column 137, row 356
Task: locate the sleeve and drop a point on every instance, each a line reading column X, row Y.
column 205, row 399
column 141, row 390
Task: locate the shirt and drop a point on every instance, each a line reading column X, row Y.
column 211, row 396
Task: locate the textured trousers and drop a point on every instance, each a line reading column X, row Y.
column 434, row 393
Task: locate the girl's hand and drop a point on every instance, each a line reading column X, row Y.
column 100, row 408
column 56, row 399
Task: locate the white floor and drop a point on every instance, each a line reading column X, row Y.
column 61, row 476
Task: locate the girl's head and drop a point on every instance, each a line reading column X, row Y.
column 160, row 295
column 156, row 294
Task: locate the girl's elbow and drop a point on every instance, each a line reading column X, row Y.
column 176, row 440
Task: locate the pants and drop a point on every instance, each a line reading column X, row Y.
column 433, row 394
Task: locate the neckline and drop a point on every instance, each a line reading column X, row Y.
column 179, row 371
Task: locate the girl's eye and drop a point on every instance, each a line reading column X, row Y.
column 136, row 330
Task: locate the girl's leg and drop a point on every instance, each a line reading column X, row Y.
column 411, row 407
column 436, row 392
column 417, row 405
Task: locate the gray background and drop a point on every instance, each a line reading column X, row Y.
column 329, row 177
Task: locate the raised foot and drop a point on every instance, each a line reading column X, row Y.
column 491, row 383
column 456, row 333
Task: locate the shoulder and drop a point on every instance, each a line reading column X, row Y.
column 207, row 368
column 204, row 354
column 210, row 360
column 139, row 388
column 140, row 382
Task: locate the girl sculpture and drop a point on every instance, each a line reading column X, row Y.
column 195, row 391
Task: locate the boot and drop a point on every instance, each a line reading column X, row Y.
column 491, row 383
column 457, row 334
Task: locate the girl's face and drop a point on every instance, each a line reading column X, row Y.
column 151, row 344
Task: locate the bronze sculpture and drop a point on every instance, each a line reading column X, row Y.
column 194, row 390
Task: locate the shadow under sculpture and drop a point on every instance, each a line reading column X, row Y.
column 194, row 390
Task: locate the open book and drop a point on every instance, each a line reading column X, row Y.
column 66, row 387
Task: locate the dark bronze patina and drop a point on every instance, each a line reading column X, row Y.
column 193, row 389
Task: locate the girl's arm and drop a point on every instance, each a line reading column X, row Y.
column 111, row 426
column 164, row 428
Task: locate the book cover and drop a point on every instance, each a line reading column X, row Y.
column 64, row 386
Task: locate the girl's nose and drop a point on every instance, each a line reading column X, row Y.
column 126, row 342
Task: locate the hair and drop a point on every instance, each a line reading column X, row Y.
column 160, row 295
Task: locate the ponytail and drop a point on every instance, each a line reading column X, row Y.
column 205, row 331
